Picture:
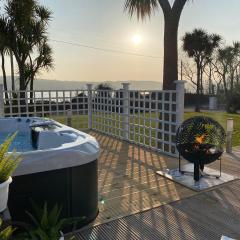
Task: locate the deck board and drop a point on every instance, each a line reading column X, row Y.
column 128, row 182
column 207, row 215
column 137, row 203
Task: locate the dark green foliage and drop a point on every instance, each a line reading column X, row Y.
column 46, row 223
column 227, row 65
column 233, row 100
column 6, row 233
column 200, row 45
column 103, row 86
column 26, row 33
column 8, row 162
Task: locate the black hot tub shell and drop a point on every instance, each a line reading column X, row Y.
column 75, row 189
column 62, row 170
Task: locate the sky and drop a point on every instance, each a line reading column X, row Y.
column 103, row 24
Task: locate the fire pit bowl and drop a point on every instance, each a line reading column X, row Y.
column 200, row 140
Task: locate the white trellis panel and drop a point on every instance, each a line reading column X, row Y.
column 146, row 118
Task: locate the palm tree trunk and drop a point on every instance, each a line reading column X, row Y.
column 171, row 17
column 170, row 66
column 170, row 69
column 22, row 89
column 197, row 106
column 4, row 76
column 12, row 70
column 31, row 90
column 231, row 82
column 225, row 85
column 201, row 81
column 210, row 86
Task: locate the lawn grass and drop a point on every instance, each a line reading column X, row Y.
column 78, row 121
column 81, row 122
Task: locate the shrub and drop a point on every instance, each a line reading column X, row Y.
column 46, row 224
column 6, row 233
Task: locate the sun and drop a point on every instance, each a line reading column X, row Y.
column 136, row 39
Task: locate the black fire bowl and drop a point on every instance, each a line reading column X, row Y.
column 201, row 153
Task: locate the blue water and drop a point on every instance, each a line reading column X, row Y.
column 22, row 142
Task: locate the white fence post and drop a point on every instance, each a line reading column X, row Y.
column 89, row 88
column 1, row 101
column 180, row 101
column 125, row 111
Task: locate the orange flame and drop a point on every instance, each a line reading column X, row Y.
column 200, row 139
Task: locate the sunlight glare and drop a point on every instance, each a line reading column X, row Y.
column 136, row 39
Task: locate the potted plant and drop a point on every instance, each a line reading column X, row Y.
column 6, row 233
column 47, row 224
column 8, row 164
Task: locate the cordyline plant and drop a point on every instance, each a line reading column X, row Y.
column 7, row 232
column 47, row 223
column 8, row 161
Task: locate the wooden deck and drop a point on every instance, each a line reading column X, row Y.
column 205, row 216
column 127, row 180
column 129, row 185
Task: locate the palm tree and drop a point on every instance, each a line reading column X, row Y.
column 4, row 50
column 145, row 8
column 200, row 46
column 43, row 60
column 27, row 31
column 12, row 70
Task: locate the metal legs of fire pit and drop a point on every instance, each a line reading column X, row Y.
column 198, row 170
column 196, row 173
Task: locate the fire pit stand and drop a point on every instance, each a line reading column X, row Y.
column 198, row 170
column 200, row 140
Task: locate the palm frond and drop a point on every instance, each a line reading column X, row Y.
column 44, row 14
column 142, row 8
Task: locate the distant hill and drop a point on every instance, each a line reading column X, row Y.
column 42, row 84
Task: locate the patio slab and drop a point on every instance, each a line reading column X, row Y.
column 211, row 179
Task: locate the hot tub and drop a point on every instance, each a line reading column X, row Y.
column 59, row 166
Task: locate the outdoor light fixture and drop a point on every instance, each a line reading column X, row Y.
column 229, row 135
column 230, row 125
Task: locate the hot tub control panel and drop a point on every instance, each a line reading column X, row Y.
column 40, row 126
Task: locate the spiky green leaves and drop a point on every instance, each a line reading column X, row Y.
column 47, row 223
column 200, row 43
column 6, row 233
column 8, row 161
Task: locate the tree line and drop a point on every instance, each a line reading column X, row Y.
column 212, row 67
